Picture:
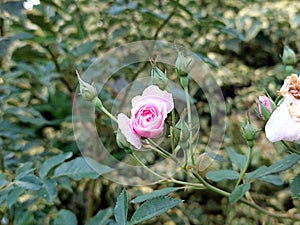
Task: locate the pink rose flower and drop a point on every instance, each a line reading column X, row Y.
column 148, row 114
column 284, row 123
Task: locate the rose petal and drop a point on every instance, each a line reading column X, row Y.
column 157, row 95
column 132, row 138
column 281, row 126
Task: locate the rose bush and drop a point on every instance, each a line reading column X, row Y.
column 148, row 114
column 284, row 123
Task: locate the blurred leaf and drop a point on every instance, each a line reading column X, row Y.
column 30, row 182
column 239, row 192
column 219, row 175
column 254, row 29
column 84, row 48
column 23, row 218
column 81, row 167
column 65, row 217
column 52, row 162
column 14, row 8
column 102, row 217
column 4, row 46
column 13, row 196
column 295, row 186
column 116, row 9
column 154, row 194
column 3, row 180
column 215, row 156
column 41, row 21
column 49, row 191
column 121, row 208
column 273, row 179
column 152, row 208
column 237, row 159
column 231, row 31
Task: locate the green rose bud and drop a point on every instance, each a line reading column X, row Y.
column 249, row 133
column 288, row 56
column 183, row 65
column 158, row 77
column 181, row 131
column 87, row 91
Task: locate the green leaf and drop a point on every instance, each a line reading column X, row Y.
column 295, row 186
column 237, row 159
column 81, row 167
column 14, row 8
column 30, row 182
column 284, row 164
column 253, row 30
column 49, row 191
column 85, row 48
column 272, row 179
column 121, row 208
column 23, row 218
column 277, row 167
column 218, row 175
column 152, row 208
column 102, row 217
column 65, row 217
column 239, row 192
column 52, row 162
column 154, row 194
column 13, row 196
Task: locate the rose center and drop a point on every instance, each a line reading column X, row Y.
column 295, row 90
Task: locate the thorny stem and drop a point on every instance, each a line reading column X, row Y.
column 245, row 201
column 242, row 173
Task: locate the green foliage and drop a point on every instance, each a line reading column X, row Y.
column 239, row 192
column 81, row 167
column 220, row 175
column 295, row 187
column 41, row 167
column 121, row 209
column 153, row 207
column 65, row 217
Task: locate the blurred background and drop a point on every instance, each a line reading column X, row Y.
column 43, row 43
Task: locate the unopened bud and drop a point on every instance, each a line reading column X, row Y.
column 183, row 65
column 288, row 56
column 265, row 107
column 158, row 77
column 181, row 131
column 249, row 133
column 87, row 91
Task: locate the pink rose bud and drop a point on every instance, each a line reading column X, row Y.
column 148, row 115
column 265, row 107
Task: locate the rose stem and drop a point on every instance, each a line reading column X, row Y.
column 146, row 167
column 172, row 128
column 291, row 149
column 188, row 105
column 242, row 173
column 245, row 201
column 100, row 106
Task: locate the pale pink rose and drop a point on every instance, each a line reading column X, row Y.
column 281, row 126
column 148, row 114
column 284, row 123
